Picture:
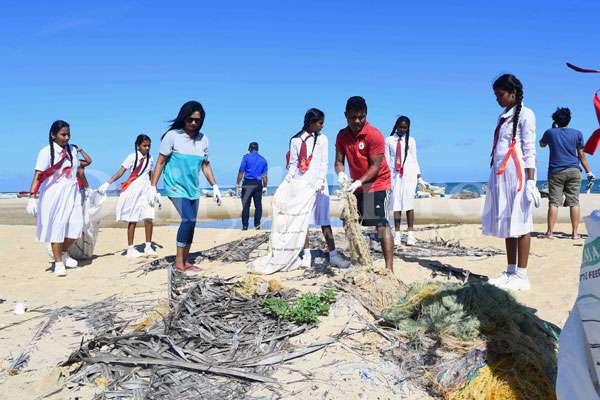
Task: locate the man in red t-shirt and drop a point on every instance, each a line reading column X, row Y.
column 363, row 146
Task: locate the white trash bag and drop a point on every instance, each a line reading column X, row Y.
column 83, row 248
column 579, row 355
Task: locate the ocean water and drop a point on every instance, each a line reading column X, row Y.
column 451, row 188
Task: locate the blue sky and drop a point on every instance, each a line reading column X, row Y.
column 116, row 69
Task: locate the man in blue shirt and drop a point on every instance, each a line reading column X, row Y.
column 564, row 174
column 254, row 171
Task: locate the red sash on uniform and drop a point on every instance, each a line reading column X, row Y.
column 52, row 170
column 303, row 160
column 511, row 153
column 399, row 167
column 134, row 174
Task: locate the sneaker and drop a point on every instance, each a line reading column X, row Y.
column 397, row 240
column 337, row 261
column 59, row 269
column 306, row 259
column 133, row 253
column 500, row 281
column 516, row 283
column 69, row 261
column 149, row 251
column 411, row 240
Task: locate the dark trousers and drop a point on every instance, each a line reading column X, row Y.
column 251, row 191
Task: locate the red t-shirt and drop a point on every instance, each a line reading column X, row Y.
column 357, row 149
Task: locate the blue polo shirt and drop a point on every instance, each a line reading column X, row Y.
column 563, row 143
column 254, row 166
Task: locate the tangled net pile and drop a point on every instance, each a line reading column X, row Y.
column 359, row 250
column 474, row 342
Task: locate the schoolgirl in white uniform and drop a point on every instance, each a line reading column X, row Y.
column 55, row 197
column 308, row 162
column 512, row 193
column 132, row 205
column 406, row 173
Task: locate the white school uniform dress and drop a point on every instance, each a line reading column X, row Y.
column 317, row 171
column 60, row 212
column 404, row 186
column 507, row 213
column 132, row 205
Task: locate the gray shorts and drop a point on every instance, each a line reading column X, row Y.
column 567, row 182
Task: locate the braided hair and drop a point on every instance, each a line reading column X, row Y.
column 54, row 129
column 312, row 115
column 510, row 83
column 139, row 140
column 402, row 118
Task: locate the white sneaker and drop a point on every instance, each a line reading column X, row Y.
column 149, row 251
column 500, row 281
column 398, row 239
column 59, row 269
column 337, row 261
column 411, row 240
column 133, row 253
column 516, row 283
column 306, row 259
column 69, row 261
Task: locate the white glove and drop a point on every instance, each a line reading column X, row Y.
column 422, row 182
column 103, row 188
column 264, row 190
column 288, row 178
column 355, row 185
column 590, row 176
column 343, row 179
column 533, row 194
column 32, row 206
column 153, row 197
column 320, row 185
column 217, row 194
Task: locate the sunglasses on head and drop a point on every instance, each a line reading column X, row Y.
column 189, row 120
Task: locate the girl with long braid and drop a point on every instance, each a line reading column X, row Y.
column 132, row 205
column 55, row 196
column 508, row 209
column 401, row 156
column 312, row 167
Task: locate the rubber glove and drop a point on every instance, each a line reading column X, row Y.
column 343, row 179
column 320, row 185
column 153, row 197
column 355, row 185
column 217, row 194
column 264, row 191
column 533, row 194
column 32, row 206
column 422, row 182
column 103, row 188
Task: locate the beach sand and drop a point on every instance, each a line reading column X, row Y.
column 438, row 210
column 333, row 373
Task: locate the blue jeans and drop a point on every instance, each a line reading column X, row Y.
column 188, row 211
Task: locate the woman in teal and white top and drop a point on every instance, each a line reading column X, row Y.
column 183, row 153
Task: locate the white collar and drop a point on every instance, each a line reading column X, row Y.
column 510, row 113
column 58, row 149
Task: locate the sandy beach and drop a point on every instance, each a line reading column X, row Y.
column 333, row 373
column 437, row 210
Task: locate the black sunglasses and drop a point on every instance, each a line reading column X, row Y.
column 189, row 120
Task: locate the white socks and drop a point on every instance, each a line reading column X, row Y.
column 522, row 273
column 148, row 245
column 132, row 247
